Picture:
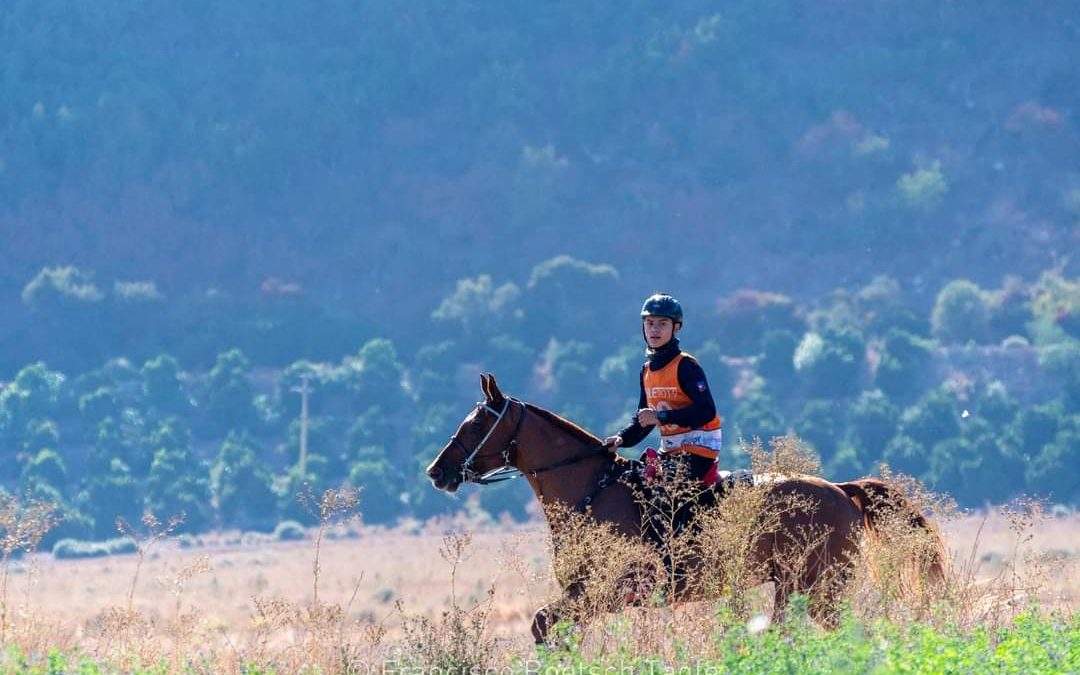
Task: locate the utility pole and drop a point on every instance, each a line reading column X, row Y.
column 304, row 390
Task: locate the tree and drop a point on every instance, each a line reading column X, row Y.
column 45, row 468
column 821, row 424
column 960, row 313
column 477, row 305
column 903, row 365
column 935, row 418
column 109, row 494
column 873, row 420
column 906, row 455
column 162, row 387
column 777, row 363
column 746, row 315
column 565, row 295
column 231, row 393
column 829, row 362
column 381, row 489
column 177, row 482
column 375, row 375
column 1055, row 470
column 756, row 416
column 241, row 485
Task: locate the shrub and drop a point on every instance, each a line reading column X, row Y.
column 923, row 188
column 960, row 313
column 829, row 362
column 288, row 530
column 75, row 548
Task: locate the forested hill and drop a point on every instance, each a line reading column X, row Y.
column 364, row 156
column 869, row 211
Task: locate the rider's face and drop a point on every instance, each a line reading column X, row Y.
column 659, row 330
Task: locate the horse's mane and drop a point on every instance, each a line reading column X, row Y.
column 566, row 425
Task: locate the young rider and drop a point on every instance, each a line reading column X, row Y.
column 674, row 395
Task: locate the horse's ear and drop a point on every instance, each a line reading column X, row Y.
column 495, row 394
column 484, row 385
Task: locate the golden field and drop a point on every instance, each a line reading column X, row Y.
column 215, row 597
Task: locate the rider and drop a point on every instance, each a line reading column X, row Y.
column 674, row 395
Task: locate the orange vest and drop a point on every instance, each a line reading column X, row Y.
column 662, row 392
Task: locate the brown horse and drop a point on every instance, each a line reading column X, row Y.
column 570, row 468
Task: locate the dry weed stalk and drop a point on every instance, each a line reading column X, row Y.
column 145, row 542
column 183, row 624
column 969, row 601
column 22, row 526
column 459, row 642
column 894, row 580
column 330, row 508
column 318, row 634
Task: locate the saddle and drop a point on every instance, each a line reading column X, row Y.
column 720, row 481
column 644, row 476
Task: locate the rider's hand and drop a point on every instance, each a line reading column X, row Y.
column 646, row 417
column 613, row 442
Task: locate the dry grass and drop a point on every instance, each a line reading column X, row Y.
column 385, row 594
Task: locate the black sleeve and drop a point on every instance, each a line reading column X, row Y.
column 634, row 433
column 702, row 409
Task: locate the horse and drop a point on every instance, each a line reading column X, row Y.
column 568, row 467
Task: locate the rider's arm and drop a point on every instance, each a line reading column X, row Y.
column 634, row 433
column 702, row 409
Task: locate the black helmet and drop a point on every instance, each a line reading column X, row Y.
column 662, row 304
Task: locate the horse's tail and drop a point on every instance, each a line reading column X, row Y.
column 883, row 506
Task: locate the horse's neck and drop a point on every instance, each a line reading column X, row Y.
column 547, row 444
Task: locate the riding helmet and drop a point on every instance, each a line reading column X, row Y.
column 662, row 304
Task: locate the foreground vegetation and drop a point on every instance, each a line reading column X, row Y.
column 1034, row 642
column 987, row 615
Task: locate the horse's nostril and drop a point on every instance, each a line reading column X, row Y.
column 434, row 473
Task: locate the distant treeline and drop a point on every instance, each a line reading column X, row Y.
column 980, row 396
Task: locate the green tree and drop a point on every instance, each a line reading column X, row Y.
column 1055, row 470
column 478, row 306
column 821, row 423
column 960, row 313
column 935, row 418
column 109, row 494
column 995, row 406
column 1033, row 428
column 162, row 387
column 241, row 485
column 381, row 490
column 44, row 468
column 177, row 482
column 231, row 393
column 745, row 316
column 777, row 363
column 873, row 420
column 903, row 366
column 1010, row 309
column 908, row 456
column 757, row 416
column 376, row 376
column 97, row 405
column 566, row 295
column 433, row 372
column 829, row 362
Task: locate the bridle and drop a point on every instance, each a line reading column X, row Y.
column 508, row 471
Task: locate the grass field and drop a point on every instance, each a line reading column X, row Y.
column 216, row 606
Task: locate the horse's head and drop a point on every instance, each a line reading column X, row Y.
column 482, row 443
